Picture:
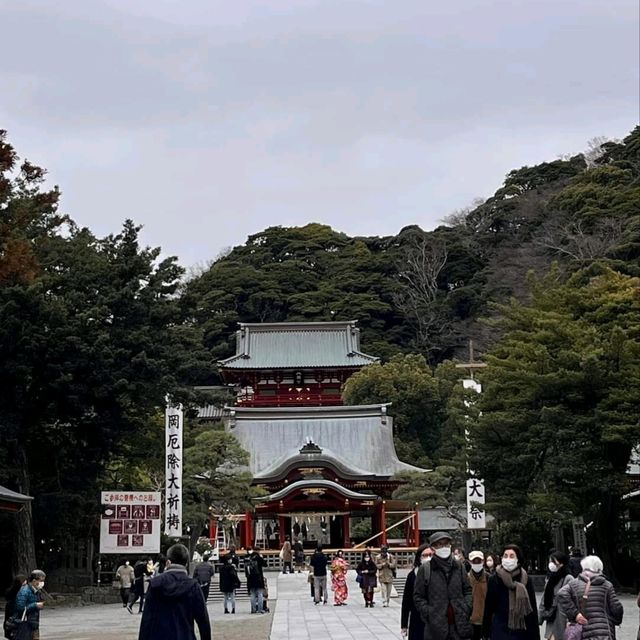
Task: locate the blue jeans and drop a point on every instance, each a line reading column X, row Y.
column 257, row 596
column 229, row 601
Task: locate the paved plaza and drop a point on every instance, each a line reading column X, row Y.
column 293, row 615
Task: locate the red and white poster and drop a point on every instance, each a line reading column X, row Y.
column 130, row 522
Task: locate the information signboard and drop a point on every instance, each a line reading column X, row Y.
column 130, row 522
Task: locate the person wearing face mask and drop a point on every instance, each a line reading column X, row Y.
column 548, row 612
column 490, row 564
column 411, row 624
column 367, row 577
column 442, row 593
column 29, row 599
column 339, row 568
column 386, row 565
column 478, row 578
column 510, row 606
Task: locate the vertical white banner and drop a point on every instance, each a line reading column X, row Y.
column 476, row 519
column 173, row 471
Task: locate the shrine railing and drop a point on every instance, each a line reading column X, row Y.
column 307, row 400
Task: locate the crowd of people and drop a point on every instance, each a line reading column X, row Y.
column 447, row 595
column 450, row 597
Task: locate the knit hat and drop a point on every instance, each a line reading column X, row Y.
column 476, row 554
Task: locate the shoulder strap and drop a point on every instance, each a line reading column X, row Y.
column 585, row 595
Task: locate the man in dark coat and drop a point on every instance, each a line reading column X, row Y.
column 203, row 573
column 575, row 569
column 254, row 571
column 174, row 602
column 442, row 593
column 319, row 563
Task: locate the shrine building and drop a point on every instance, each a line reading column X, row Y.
column 324, row 467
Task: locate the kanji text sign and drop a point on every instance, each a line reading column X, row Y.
column 130, row 522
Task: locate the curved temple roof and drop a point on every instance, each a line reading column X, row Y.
column 296, row 345
column 359, row 439
column 327, row 484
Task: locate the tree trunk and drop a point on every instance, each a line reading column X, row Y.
column 606, row 534
column 24, row 550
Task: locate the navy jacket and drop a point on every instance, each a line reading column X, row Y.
column 319, row 563
column 496, row 613
column 174, row 602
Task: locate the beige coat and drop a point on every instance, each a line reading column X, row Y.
column 285, row 552
column 124, row 575
column 385, row 567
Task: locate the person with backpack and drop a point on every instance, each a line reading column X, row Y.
column 319, row 563
column 442, row 593
column 254, row 571
column 229, row 582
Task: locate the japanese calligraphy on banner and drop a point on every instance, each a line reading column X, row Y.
column 130, row 522
column 476, row 518
column 173, row 471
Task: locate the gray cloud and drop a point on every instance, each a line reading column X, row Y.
column 207, row 121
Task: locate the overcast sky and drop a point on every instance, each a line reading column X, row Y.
column 206, row 121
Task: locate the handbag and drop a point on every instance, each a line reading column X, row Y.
column 23, row 629
column 359, row 579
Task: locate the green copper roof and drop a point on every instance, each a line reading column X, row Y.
column 291, row 345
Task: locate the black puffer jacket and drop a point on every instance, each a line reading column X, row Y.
column 602, row 608
column 438, row 584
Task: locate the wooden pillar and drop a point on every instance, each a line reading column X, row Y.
column 383, row 522
column 248, row 529
column 213, row 529
column 346, row 530
column 281, row 532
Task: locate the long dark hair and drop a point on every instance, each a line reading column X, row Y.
column 555, row 578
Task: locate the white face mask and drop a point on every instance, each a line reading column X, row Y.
column 509, row 563
column 552, row 566
column 489, row 564
column 39, row 585
column 477, row 568
column 425, row 560
column 443, row 552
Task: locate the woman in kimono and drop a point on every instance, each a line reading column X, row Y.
column 339, row 568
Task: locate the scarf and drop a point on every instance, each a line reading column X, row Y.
column 519, row 604
column 554, row 579
column 479, row 594
column 446, row 566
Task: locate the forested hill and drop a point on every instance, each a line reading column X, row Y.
column 425, row 291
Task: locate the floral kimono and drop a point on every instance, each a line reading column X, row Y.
column 339, row 568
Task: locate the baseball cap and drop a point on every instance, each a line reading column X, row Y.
column 475, row 555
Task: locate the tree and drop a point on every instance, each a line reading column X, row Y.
column 217, row 481
column 560, row 404
column 418, row 405
column 92, row 338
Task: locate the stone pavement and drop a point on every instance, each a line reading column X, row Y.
column 296, row 615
